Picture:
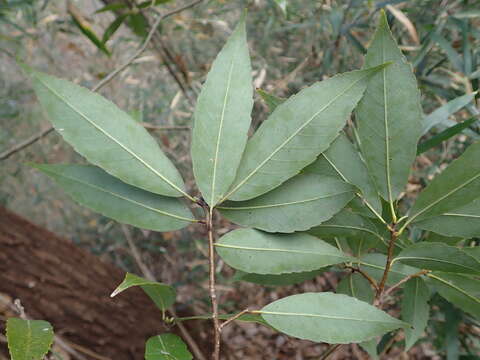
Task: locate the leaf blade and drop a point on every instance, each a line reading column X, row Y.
column 353, row 320
column 223, row 110
column 300, row 203
column 290, row 138
column 253, row 251
column 122, row 147
column 166, row 347
column 389, row 117
column 94, row 188
column 415, row 309
column 28, row 339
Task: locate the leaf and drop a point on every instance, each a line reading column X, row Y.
column 300, row 203
column 106, row 136
column 441, row 115
column 461, row 290
column 28, row 339
column 473, row 251
column 113, row 27
column 282, row 4
column 161, row 294
column 94, row 188
column 374, row 265
column 328, row 317
column 415, row 310
column 438, row 257
column 452, row 55
column 451, row 189
column 343, row 159
column 271, row 100
column 276, row 280
column 296, row 133
column 463, row 221
column 355, row 285
column 166, row 347
column 257, row 252
column 351, row 226
column 444, row 135
column 389, row 115
column 222, row 118
column 111, row 7
column 86, row 29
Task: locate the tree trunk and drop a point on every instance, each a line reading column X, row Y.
column 57, row 281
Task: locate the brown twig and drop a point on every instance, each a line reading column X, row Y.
column 234, row 317
column 34, row 138
column 212, row 284
column 403, row 281
column 365, row 275
column 388, row 264
column 330, row 351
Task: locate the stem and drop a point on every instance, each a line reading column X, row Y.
column 234, row 317
column 404, row 280
column 213, row 295
column 391, row 246
column 365, row 275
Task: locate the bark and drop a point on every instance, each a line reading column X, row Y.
column 64, row 284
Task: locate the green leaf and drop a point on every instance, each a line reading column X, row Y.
column 452, row 55
column 87, row 30
column 452, row 189
column 374, row 265
column 282, row 4
column 106, row 136
column 113, row 27
column 222, row 118
column 300, row 203
column 463, row 221
column 355, row 285
column 461, row 290
column 94, row 188
column 370, row 347
column 276, row 280
column 257, row 252
column 438, row 257
column 297, row 132
column 112, row 7
column 166, row 347
column 389, row 115
column 441, row 115
column 328, row 317
column 351, row 226
column 343, row 159
column 415, row 309
column 271, row 100
column 444, row 135
column 161, row 294
column 473, row 251
column 28, row 339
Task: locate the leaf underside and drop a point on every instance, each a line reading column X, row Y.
column 28, row 339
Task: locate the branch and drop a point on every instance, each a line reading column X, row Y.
column 34, row 138
column 365, row 275
column 391, row 246
column 403, row 281
column 330, row 351
column 234, row 317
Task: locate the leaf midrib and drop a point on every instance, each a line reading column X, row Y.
column 330, row 317
column 268, row 158
column 434, row 260
column 446, row 282
column 121, row 197
column 294, row 251
column 104, row 132
column 283, row 204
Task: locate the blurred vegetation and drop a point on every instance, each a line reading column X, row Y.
column 293, row 44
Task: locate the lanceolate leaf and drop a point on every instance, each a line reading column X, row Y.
column 300, row 203
column 28, row 339
column 351, row 226
column 463, row 221
column 296, row 133
column 440, row 257
column 257, row 252
column 166, row 347
column 330, row 318
column 461, row 290
column 415, row 309
column 389, row 115
column 222, row 118
column 106, row 136
column 276, row 280
column 345, row 161
column 161, row 294
column 101, row 192
column 455, row 187
column 272, row 101
column 355, row 285
column 374, row 265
